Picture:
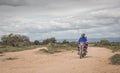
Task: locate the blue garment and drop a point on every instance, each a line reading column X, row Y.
column 82, row 39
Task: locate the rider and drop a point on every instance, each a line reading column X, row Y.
column 83, row 39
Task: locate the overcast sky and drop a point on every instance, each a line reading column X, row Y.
column 40, row 19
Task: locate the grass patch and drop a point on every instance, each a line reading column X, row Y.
column 15, row 49
column 115, row 59
column 55, row 48
column 114, row 46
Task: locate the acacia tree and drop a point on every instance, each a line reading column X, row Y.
column 15, row 40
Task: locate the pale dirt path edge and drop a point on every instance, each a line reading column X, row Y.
column 32, row 61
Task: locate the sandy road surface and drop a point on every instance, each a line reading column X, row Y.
column 32, row 61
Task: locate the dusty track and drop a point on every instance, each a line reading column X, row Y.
column 32, row 61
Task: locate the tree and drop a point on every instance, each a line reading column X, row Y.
column 49, row 40
column 15, row 40
column 36, row 42
column 105, row 42
column 65, row 42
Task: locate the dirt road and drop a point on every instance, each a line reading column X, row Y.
column 32, row 61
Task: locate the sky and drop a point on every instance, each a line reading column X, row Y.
column 63, row 19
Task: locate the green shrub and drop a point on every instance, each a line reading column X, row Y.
column 15, row 40
column 36, row 42
column 49, row 40
column 65, row 42
column 105, row 42
column 115, row 59
column 114, row 46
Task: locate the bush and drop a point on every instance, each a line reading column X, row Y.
column 65, row 42
column 105, row 42
column 36, row 42
column 115, row 60
column 49, row 40
column 15, row 40
column 114, row 46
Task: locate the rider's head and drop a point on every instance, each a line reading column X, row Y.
column 83, row 35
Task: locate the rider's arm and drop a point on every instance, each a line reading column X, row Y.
column 86, row 41
column 79, row 40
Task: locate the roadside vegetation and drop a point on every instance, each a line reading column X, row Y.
column 115, row 59
column 16, row 42
column 55, row 47
column 59, row 47
column 15, row 49
column 114, row 46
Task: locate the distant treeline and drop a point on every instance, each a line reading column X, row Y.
column 17, row 40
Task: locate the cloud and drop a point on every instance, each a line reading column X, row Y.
column 60, row 18
column 13, row 2
column 55, row 2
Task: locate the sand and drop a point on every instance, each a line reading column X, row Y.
column 33, row 61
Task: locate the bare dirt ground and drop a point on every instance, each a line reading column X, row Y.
column 32, row 61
